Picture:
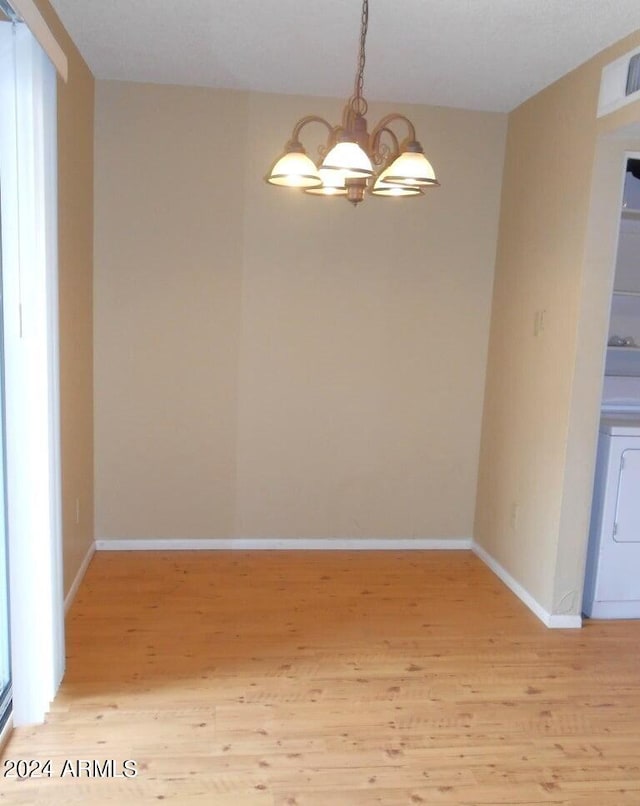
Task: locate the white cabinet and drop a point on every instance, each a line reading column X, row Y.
column 612, row 585
column 628, row 257
column 624, row 323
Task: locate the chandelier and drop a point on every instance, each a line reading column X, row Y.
column 353, row 161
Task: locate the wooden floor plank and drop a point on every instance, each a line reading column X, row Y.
column 320, row 678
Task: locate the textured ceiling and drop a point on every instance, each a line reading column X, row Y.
column 474, row 54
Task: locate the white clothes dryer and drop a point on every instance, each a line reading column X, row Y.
column 612, row 583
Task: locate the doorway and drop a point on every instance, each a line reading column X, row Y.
column 611, row 590
column 604, row 317
column 5, row 635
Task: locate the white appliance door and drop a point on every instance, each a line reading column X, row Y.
column 627, row 522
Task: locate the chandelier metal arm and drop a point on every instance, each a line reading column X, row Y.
column 380, row 152
column 295, row 145
column 383, row 126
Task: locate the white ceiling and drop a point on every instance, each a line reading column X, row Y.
column 474, row 54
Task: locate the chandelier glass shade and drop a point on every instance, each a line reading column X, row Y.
column 353, row 162
column 383, row 188
column 349, row 160
column 295, row 169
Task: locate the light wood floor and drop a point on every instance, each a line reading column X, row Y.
column 309, row 679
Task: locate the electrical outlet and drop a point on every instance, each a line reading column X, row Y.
column 77, row 510
column 539, row 322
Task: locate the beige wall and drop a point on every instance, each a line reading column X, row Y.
column 168, row 255
column 75, row 247
column 273, row 365
column 542, row 391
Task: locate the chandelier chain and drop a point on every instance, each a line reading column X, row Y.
column 358, row 103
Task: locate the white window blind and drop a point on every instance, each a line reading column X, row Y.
column 30, row 291
column 27, row 11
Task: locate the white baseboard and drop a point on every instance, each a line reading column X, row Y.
column 287, row 544
column 331, row 544
column 79, row 577
column 548, row 619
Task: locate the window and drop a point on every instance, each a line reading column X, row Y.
column 633, row 76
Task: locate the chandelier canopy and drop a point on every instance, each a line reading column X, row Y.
column 353, row 161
